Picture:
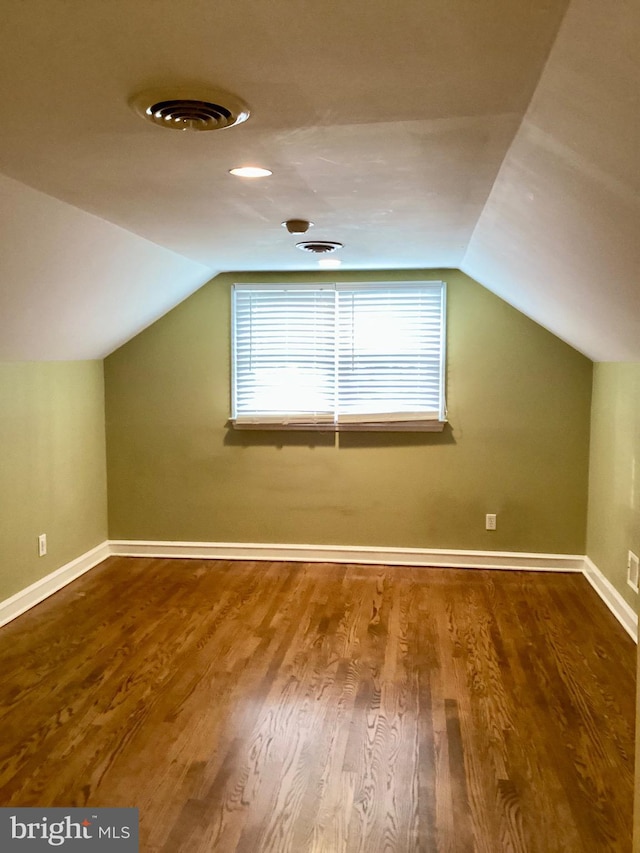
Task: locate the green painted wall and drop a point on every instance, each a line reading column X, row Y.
column 52, row 467
column 613, row 527
column 518, row 442
column 613, row 520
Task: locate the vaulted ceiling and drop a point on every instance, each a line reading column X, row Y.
column 500, row 137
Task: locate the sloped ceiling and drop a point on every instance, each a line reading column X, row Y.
column 559, row 236
column 73, row 286
column 413, row 133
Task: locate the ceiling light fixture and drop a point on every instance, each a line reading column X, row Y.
column 250, row 172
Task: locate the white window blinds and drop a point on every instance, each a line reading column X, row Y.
column 390, row 348
column 284, row 361
column 339, row 353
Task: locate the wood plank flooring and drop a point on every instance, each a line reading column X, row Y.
column 300, row 708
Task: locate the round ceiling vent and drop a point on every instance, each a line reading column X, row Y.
column 319, row 247
column 190, row 109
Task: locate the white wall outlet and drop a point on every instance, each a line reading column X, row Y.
column 632, row 571
column 490, row 521
column 42, row 544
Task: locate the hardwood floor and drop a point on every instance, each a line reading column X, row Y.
column 300, row 708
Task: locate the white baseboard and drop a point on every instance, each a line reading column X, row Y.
column 623, row 612
column 12, row 607
column 435, row 557
column 427, row 557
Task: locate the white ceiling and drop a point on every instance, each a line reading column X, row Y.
column 422, row 133
column 559, row 237
column 73, row 286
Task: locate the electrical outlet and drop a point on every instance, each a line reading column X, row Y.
column 632, row 571
column 42, row 544
column 490, row 521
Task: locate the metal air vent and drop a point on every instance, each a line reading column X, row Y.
column 190, row 109
column 319, row 247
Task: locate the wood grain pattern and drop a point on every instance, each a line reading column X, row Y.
column 301, row 708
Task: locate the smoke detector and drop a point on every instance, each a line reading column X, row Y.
column 319, row 247
column 297, row 226
column 190, row 108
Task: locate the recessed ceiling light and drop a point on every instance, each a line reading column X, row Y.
column 250, row 172
column 329, row 263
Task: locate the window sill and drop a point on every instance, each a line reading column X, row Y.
column 382, row 426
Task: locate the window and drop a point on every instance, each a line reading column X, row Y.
column 339, row 355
